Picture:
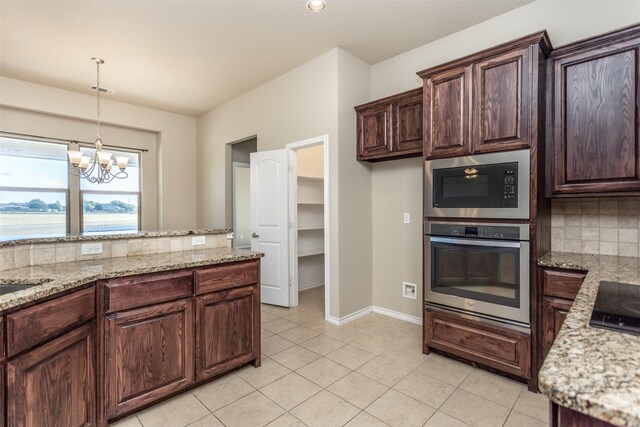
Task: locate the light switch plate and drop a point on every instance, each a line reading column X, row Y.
column 407, row 218
column 198, row 240
column 91, row 248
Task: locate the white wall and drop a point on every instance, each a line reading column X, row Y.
column 176, row 140
column 301, row 104
column 397, row 185
column 354, row 187
column 298, row 105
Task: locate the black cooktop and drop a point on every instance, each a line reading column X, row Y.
column 617, row 307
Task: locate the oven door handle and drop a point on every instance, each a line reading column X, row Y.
column 468, row 242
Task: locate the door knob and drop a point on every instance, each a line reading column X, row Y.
column 254, row 235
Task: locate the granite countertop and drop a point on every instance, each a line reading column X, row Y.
column 69, row 275
column 111, row 236
column 590, row 370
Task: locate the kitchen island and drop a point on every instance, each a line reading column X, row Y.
column 89, row 342
column 592, row 375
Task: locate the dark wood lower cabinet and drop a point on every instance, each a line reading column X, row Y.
column 2, row 394
column 554, row 311
column 54, row 384
column 227, row 330
column 489, row 345
column 565, row 417
column 149, row 355
column 130, row 342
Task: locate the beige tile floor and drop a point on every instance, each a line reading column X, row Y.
column 370, row 372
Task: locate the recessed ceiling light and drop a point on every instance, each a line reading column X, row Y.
column 316, row 6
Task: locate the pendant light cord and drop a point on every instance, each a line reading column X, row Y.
column 98, row 93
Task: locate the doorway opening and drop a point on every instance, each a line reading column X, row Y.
column 309, row 194
column 239, row 214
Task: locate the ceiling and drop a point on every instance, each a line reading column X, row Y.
column 189, row 56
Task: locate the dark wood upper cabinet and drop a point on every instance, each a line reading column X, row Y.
column 227, row 330
column 407, row 125
column 391, row 127
column 487, row 101
column 54, row 384
column 149, row 354
column 501, row 86
column 446, row 113
column 595, row 115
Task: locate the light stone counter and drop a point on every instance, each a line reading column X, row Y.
column 111, row 236
column 68, row 275
column 591, row 370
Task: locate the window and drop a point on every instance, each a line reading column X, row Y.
column 39, row 197
column 113, row 207
column 33, row 189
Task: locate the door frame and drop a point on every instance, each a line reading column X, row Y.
column 293, row 215
column 235, row 165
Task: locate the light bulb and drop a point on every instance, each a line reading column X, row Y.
column 104, row 157
column 122, row 162
column 316, row 6
column 74, row 157
column 84, row 162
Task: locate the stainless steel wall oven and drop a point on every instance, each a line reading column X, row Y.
column 480, row 269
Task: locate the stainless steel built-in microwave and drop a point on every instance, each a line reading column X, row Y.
column 494, row 185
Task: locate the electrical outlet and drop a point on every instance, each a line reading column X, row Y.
column 91, row 248
column 198, row 240
column 407, row 218
column 409, row 290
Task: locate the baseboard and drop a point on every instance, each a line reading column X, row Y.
column 350, row 317
column 311, row 286
column 375, row 309
column 397, row 315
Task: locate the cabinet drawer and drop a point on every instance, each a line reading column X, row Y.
column 562, row 284
column 36, row 324
column 137, row 291
column 227, row 276
column 500, row 348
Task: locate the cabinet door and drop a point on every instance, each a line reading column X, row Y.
column 596, row 120
column 407, row 120
column 227, row 330
column 501, row 102
column 54, row 385
column 489, row 345
column 2, row 394
column 446, row 113
column 374, row 131
column 554, row 311
column 149, row 354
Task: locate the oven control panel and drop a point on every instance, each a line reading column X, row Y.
column 495, row 232
column 510, row 184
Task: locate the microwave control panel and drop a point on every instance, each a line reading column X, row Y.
column 509, row 184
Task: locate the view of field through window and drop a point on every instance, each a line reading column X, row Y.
column 34, row 193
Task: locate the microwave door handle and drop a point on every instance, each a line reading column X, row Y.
column 468, row 242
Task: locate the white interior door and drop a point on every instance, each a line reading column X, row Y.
column 270, row 222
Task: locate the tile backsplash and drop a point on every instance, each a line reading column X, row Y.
column 17, row 256
column 604, row 226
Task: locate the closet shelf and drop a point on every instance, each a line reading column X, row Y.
column 310, row 253
column 311, row 227
column 314, row 178
column 310, row 204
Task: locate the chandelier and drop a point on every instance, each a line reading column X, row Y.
column 98, row 169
